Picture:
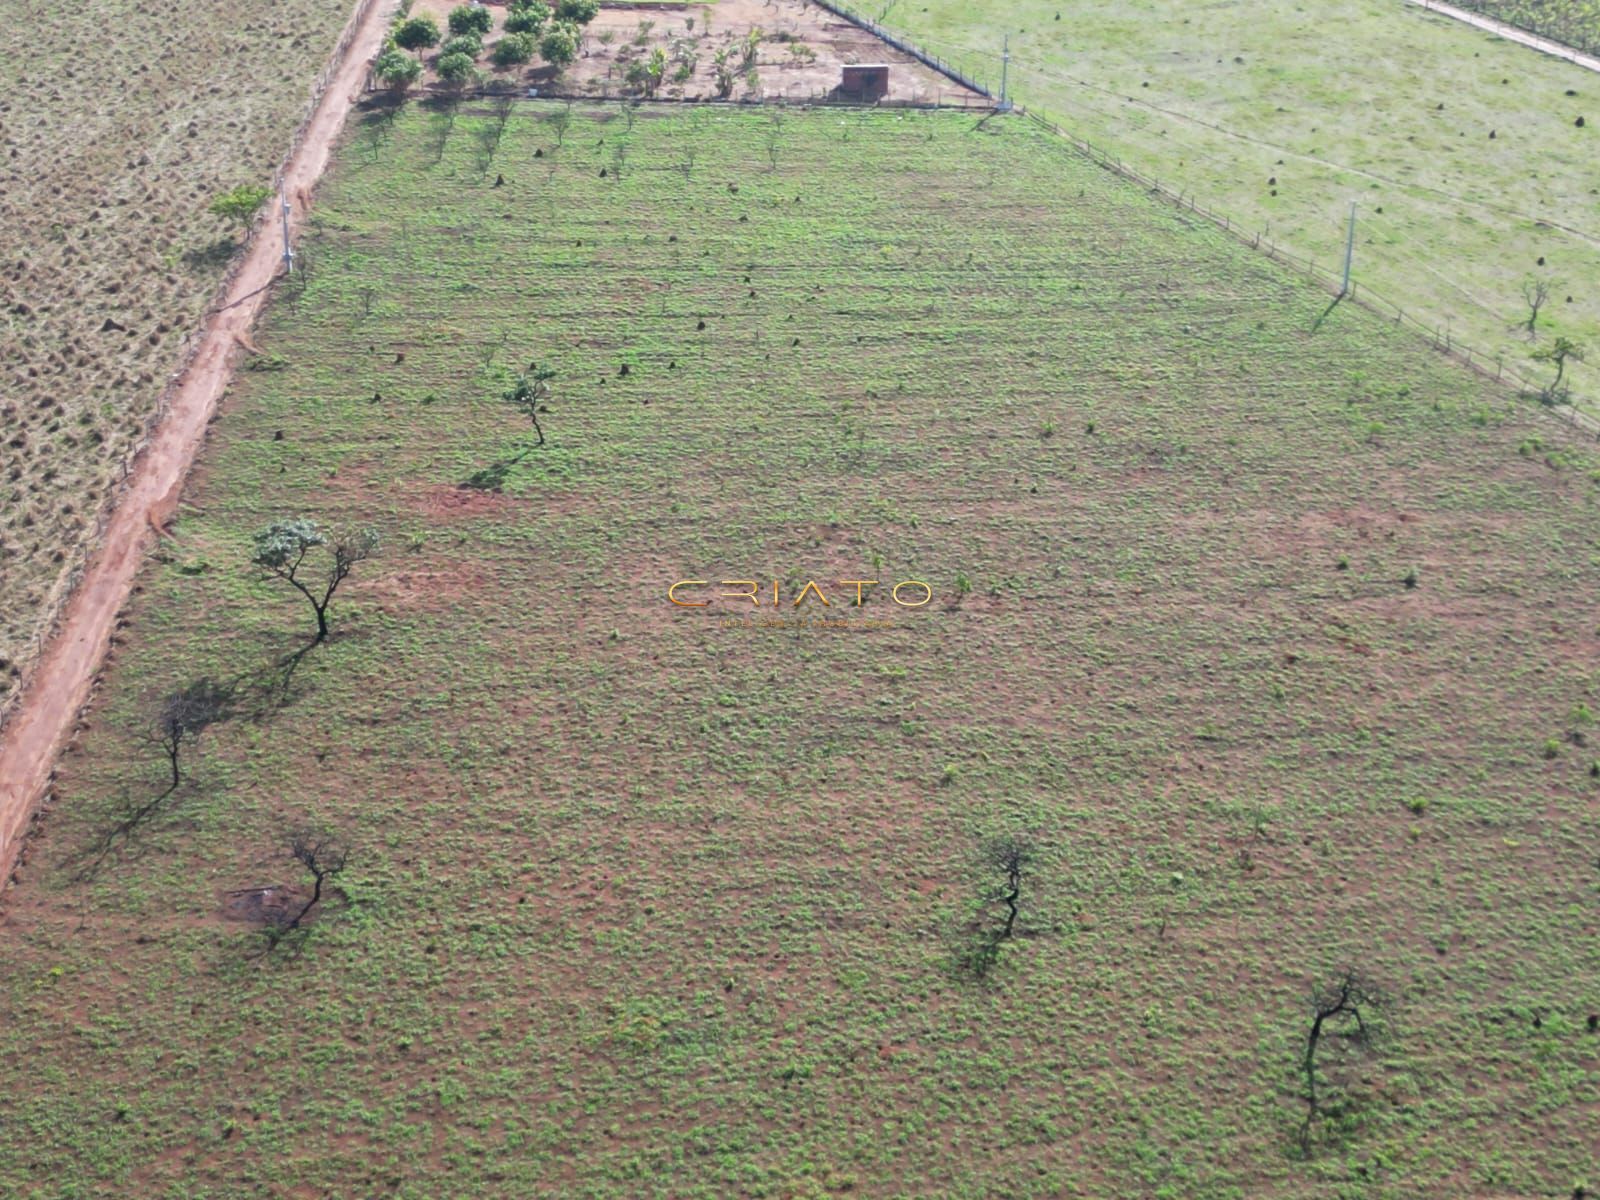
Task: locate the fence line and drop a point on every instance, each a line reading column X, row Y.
column 67, row 583
column 1490, row 366
column 928, row 59
column 795, row 95
column 1441, row 337
column 1571, row 40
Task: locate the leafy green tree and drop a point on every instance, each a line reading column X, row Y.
column 470, row 18
column 456, row 69
column 281, row 550
column 240, row 204
column 469, row 44
column 514, row 49
column 1560, row 353
column 577, row 12
column 417, row 33
column 559, row 46
column 397, row 69
column 530, row 17
column 528, row 392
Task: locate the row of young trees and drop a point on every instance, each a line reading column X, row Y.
column 531, row 28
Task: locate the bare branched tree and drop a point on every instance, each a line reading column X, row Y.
column 281, row 551
column 325, row 856
column 1344, row 998
column 1536, row 293
column 1009, row 856
column 180, row 718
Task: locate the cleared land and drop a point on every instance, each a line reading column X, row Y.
column 642, row 905
column 1280, row 116
column 118, row 124
column 801, row 49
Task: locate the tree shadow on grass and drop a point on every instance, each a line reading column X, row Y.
column 493, row 477
column 256, row 695
column 212, row 257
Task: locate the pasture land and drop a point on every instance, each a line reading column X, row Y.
column 1279, row 646
column 1463, row 150
column 118, row 125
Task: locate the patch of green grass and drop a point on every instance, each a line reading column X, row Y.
column 1280, row 116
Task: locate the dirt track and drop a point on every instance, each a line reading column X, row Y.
column 65, row 674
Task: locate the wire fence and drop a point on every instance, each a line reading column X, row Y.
column 796, row 95
column 952, row 70
column 1490, row 366
column 1563, row 28
column 68, row 581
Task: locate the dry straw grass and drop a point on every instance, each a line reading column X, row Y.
column 114, row 135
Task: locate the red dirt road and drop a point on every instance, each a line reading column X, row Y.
column 64, row 676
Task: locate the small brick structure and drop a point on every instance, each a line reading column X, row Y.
column 868, row 82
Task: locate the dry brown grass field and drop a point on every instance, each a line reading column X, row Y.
column 118, row 124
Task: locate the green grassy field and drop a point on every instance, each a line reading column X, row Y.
column 643, row 905
column 1280, row 116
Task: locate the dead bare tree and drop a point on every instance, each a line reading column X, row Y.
column 325, row 856
column 180, row 718
column 1535, row 293
column 1009, row 855
column 1344, row 997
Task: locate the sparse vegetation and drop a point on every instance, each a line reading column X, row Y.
column 619, row 861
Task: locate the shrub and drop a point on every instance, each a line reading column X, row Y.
column 397, row 69
column 577, row 12
column 240, row 204
column 455, row 69
column 559, row 46
column 418, row 33
column 470, row 18
column 528, row 18
column 513, row 50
